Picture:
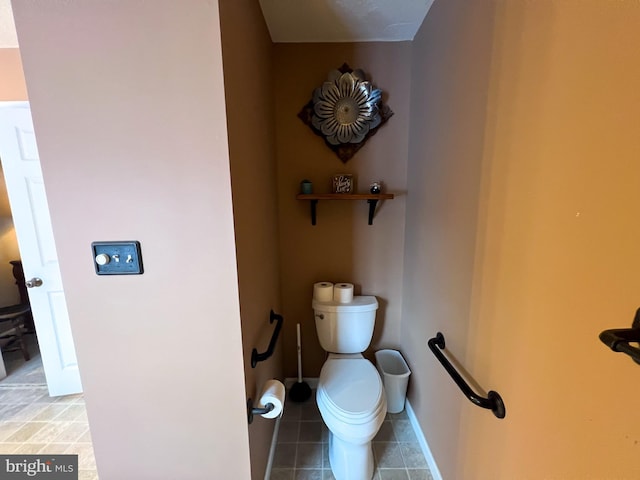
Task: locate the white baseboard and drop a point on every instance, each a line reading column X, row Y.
column 431, row 462
column 272, row 450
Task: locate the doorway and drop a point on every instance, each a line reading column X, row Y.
column 13, row 292
column 30, row 212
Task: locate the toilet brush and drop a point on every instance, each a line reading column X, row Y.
column 300, row 391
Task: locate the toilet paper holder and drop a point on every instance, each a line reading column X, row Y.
column 251, row 410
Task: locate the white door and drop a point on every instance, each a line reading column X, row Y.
column 23, row 176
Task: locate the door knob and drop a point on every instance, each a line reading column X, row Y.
column 34, row 282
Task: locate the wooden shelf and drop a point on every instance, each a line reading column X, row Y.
column 371, row 198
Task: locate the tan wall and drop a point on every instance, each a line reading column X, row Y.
column 555, row 256
column 449, row 82
column 341, row 247
column 247, row 59
column 133, row 140
column 12, row 88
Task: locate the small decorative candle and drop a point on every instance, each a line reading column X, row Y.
column 306, row 187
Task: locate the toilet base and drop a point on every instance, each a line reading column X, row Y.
column 350, row 461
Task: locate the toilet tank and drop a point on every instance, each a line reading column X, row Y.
column 345, row 327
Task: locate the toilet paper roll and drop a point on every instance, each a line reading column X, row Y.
column 272, row 392
column 323, row 291
column 343, row 292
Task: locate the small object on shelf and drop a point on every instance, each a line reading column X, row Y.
column 306, row 187
column 342, row 183
column 375, row 187
column 300, row 391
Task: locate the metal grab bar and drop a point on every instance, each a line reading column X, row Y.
column 261, row 357
column 618, row 339
column 493, row 401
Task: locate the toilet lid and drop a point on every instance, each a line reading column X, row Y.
column 351, row 385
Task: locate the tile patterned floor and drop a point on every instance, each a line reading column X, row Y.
column 302, row 450
column 32, row 422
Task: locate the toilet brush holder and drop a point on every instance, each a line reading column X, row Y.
column 300, row 391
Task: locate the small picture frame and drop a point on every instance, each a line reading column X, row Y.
column 342, row 183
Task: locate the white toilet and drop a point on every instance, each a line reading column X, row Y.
column 350, row 394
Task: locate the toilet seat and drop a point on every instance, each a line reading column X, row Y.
column 350, row 389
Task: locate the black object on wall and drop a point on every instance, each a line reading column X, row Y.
column 493, row 401
column 618, row 339
column 261, row 357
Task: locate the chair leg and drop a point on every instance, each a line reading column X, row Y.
column 19, row 326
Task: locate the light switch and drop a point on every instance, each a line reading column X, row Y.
column 117, row 258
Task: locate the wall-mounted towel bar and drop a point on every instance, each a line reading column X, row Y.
column 260, row 357
column 493, row 401
column 618, row 339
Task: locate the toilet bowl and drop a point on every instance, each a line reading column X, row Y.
column 352, row 403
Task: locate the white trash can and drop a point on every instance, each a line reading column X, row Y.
column 394, row 372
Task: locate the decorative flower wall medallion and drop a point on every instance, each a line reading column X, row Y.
column 346, row 110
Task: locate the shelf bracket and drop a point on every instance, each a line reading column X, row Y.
column 313, row 204
column 372, row 209
column 372, row 200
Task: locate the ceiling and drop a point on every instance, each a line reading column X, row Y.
column 292, row 21
column 344, row 20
